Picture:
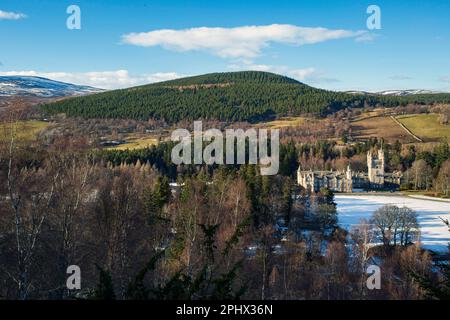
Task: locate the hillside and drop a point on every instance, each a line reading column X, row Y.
column 237, row 96
column 24, row 86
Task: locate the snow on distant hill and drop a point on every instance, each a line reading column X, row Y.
column 397, row 93
column 24, row 86
column 405, row 92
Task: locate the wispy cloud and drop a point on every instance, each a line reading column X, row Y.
column 445, row 79
column 366, row 37
column 400, row 77
column 309, row 75
column 100, row 79
column 5, row 15
column 238, row 42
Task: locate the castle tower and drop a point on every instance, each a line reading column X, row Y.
column 312, row 181
column 305, row 179
column 375, row 166
column 299, row 177
column 349, row 179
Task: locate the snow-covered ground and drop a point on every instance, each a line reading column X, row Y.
column 40, row 87
column 434, row 233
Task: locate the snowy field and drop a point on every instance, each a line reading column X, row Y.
column 434, row 233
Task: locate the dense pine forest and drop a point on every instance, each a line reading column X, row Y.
column 238, row 96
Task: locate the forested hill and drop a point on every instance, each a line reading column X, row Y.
column 235, row 96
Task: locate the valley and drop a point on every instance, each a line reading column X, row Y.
column 103, row 162
column 194, row 155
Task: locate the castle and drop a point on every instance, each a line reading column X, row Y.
column 348, row 180
column 375, row 168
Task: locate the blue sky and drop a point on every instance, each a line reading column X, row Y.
column 322, row 43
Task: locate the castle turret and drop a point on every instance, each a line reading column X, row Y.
column 299, row 176
column 348, row 172
column 375, row 168
column 349, row 179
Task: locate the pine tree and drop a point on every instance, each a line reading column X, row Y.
column 439, row 289
column 162, row 191
column 105, row 288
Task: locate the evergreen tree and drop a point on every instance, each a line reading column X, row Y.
column 105, row 288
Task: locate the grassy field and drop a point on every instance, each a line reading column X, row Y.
column 380, row 127
column 379, row 112
column 23, row 130
column 426, row 126
column 283, row 123
column 136, row 143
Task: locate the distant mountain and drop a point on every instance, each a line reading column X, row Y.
column 397, row 93
column 233, row 96
column 24, row 86
column 400, row 93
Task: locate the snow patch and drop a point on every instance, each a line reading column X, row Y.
column 434, row 233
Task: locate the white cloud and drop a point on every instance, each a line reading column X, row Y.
column 11, row 15
column 100, row 79
column 246, row 41
column 366, row 37
column 304, row 74
column 310, row 75
column 445, row 79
